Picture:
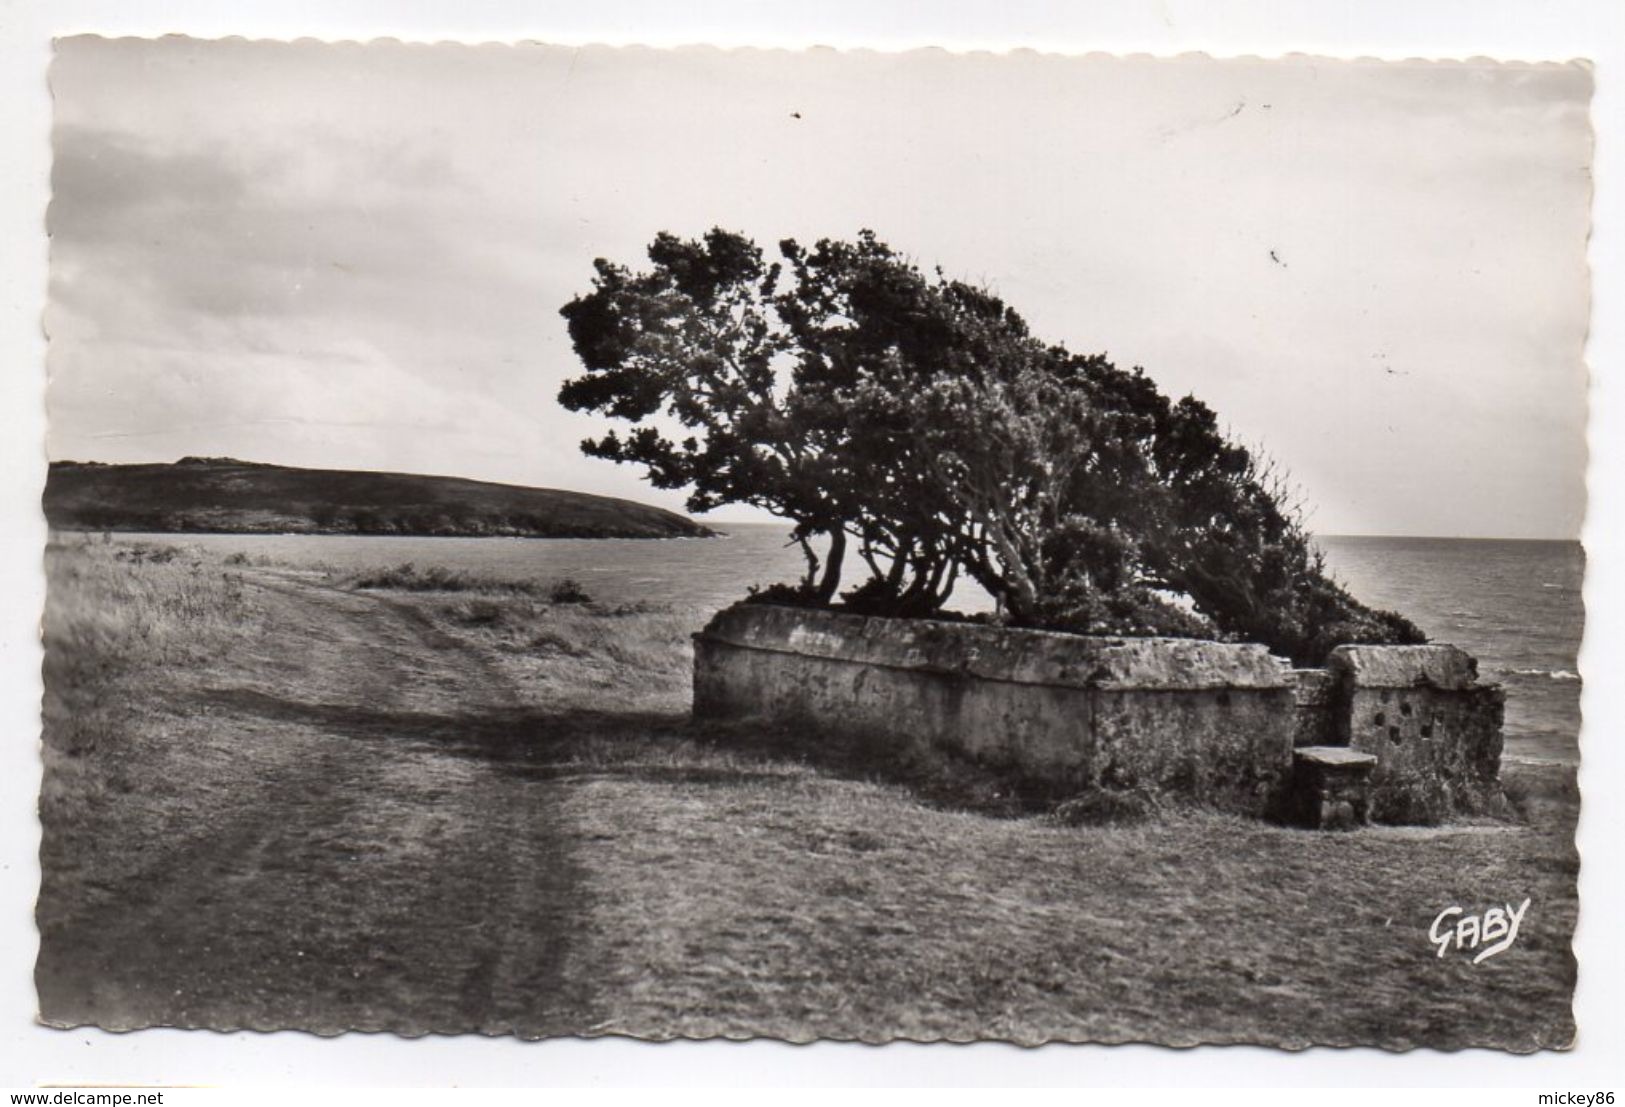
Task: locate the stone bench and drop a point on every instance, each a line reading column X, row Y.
column 1331, row 786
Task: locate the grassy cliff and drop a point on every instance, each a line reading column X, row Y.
column 225, row 495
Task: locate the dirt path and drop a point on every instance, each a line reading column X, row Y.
column 358, row 758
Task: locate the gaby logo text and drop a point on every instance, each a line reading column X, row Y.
column 1490, row 933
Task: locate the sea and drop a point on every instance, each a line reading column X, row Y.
column 1514, row 605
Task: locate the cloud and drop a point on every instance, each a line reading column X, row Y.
column 322, row 298
column 345, row 252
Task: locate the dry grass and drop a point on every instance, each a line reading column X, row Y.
column 541, row 843
column 798, row 906
column 123, row 624
column 632, row 659
column 115, row 615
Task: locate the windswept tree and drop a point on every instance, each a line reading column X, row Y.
column 917, row 419
column 1220, row 527
column 691, row 353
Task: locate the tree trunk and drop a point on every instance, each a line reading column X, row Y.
column 899, row 563
column 807, row 552
column 832, row 564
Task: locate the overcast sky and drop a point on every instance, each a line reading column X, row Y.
column 354, row 256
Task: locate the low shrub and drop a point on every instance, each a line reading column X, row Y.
column 147, row 555
column 1107, row 807
column 477, row 613
column 407, row 577
column 568, row 590
column 785, row 595
column 636, row 607
column 876, row 596
column 1134, row 615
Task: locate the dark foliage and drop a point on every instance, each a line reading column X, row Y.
column 568, row 590
column 915, row 420
column 407, row 577
column 784, row 595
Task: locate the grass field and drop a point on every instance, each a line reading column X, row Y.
column 292, row 798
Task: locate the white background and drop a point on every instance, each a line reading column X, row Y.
column 1527, row 31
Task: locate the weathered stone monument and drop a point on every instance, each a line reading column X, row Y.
column 1434, row 730
column 1410, row 732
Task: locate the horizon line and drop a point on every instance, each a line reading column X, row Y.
column 708, row 519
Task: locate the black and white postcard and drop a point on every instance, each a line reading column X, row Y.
column 696, row 543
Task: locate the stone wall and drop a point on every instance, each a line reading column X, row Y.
column 1315, row 702
column 1217, row 722
column 1435, row 731
column 1211, row 720
column 1207, row 719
